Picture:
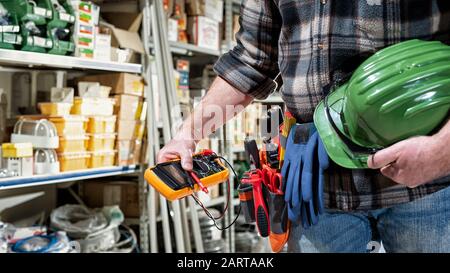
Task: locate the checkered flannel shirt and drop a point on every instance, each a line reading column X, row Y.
column 313, row 43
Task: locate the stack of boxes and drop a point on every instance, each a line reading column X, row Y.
column 71, row 130
column 195, row 21
column 95, row 105
column 203, row 24
column 87, row 16
column 130, row 109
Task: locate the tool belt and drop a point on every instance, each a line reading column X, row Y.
column 261, row 192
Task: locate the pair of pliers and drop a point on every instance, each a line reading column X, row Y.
column 256, row 178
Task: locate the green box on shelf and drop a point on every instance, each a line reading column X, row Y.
column 10, row 34
column 62, row 19
column 9, row 40
column 35, row 43
column 25, row 11
column 62, row 47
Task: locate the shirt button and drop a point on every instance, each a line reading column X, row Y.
column 323, row 2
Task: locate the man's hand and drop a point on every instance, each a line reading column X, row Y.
column 414, row 161
column 179, row 147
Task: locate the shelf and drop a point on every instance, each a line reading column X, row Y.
column 39, row 180
column 188, row 49
column 32, row 60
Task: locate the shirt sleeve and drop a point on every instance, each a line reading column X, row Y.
column 252, row 65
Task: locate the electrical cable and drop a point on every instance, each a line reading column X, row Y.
column 208, row 213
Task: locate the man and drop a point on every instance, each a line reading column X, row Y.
column 311, row 44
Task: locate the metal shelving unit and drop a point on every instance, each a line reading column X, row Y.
column 39, row 180
column 39, row 60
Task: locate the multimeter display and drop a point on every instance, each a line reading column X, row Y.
column 172, row 181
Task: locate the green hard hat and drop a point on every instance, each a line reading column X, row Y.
column 399, row 92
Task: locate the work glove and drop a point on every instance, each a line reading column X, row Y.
column 316, row 161
column 292, row 168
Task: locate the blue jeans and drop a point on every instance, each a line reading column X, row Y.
column 419, row 226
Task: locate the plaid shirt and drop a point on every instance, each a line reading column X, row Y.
column 312, row 43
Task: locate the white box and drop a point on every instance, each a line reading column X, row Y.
column 22, row 166
column 102, row 50
column 214, row 10
column 204, row 32
column 64, row 94
column 172, row 29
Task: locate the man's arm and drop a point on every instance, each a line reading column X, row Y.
column 417, row 160
column 219, row 105
column 246, row 72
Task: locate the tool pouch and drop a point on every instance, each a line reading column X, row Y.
column 278, row 212
column 245, row 191
column 279, row 222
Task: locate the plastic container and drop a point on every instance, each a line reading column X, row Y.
column 72, row 144
column 41, row 133
column 102, row 159
column 63, row 15
column 73, row 161
column 70, row 125
column 10, row 40
column 93, row 106
column 61, row 47
column 55, row 108
column 35, row 40
column 101, row 142
column 38, row 11
column 17, row 150
column 46, row 161
column 101, row 125
column 10, row 34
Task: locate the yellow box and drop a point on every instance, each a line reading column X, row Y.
column 93, row 107
column 102, row 159
column 55, row 108
column 70, row 125
column 101, row 142
column 73, row 161
column 17, row 150
column 101, row 125
column 72, row 144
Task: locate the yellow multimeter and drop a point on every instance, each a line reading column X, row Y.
column 173, row 182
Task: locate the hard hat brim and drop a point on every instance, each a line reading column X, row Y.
column 335, row 147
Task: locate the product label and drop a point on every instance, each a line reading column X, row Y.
column 11, row 38
column 42, row 12
column 66, row 17
column 9, row 28
column 42, row 42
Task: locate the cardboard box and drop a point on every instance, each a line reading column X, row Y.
column 121, row 55
column 212, row 9
column 172, row 29
column 124, row 20
column 128, row 107
column 102, row 50
column 178, row 9
column 130, row 129
column 204, row 32
column 127, row 38
column 128, row 152
column 21, row 166
column 121, row 83
column 65, row 94
column 125, row 194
